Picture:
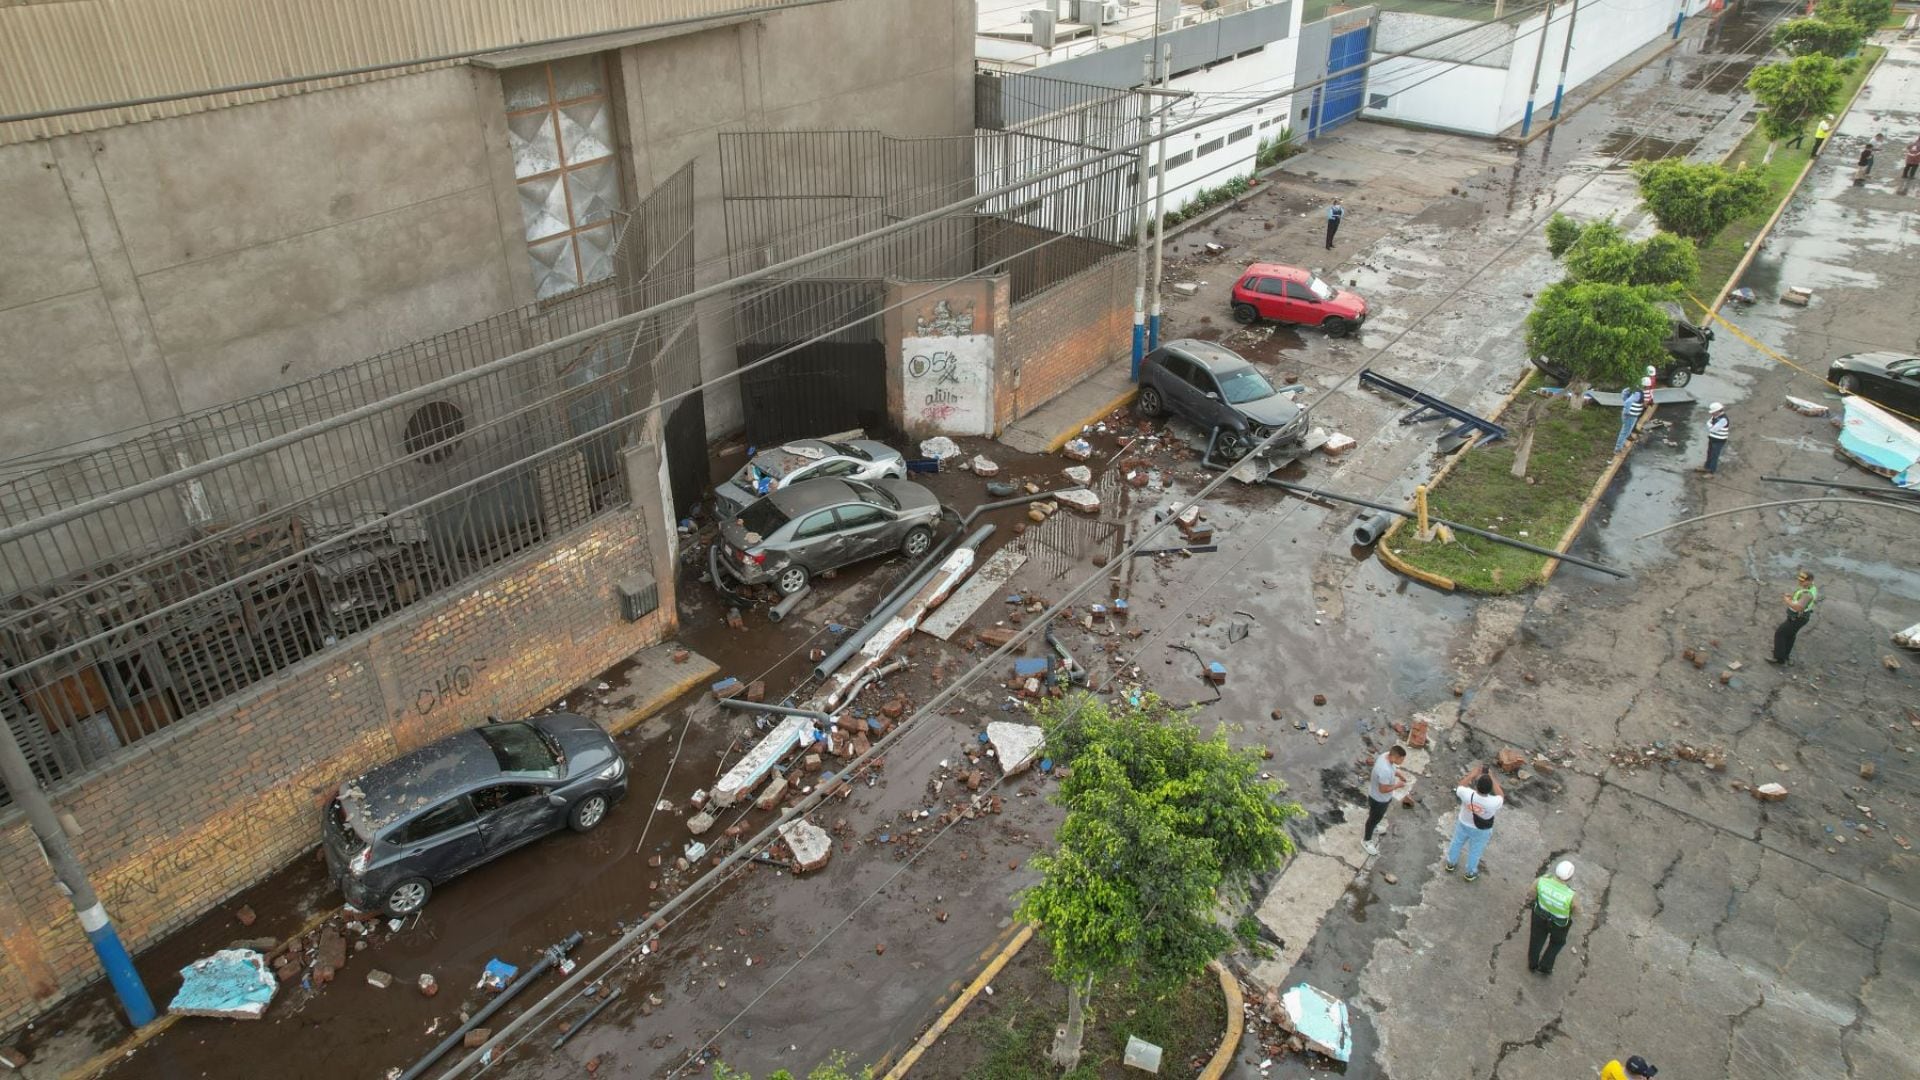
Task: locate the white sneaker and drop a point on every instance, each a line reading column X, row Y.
column 1371, row 847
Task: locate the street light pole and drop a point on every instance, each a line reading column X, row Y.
column 72, row 877
column 1566, row 56
column 1539, row 57
column 1159, row 205
column 1140, row 222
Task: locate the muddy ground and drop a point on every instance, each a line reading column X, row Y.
column 1443, row 236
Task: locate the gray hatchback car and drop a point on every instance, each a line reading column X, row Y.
column 818, row 525
column 402, row 828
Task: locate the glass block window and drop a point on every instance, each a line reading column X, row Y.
column 560, row 130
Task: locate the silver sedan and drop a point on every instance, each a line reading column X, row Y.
column 820, row 525
column 806, row 459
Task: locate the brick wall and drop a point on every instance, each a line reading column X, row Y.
column 192, row 816
column 1055, row 339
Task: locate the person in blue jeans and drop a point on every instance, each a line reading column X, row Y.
column 1480, row 799
column 1633, row 402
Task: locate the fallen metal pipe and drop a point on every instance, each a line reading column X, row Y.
column 1321, row 493
column 880, row 672
column 1197, row 549
column 785, row 607
column 1369, row 528
column 574, row 1028
column 1870, row 489
column 764, row 706
column 932, row 559
column 899, row 600
column 551, row 958
column 1076, row 674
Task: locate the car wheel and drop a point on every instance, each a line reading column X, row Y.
column 916, row 543
column 1335, row 326
column 407, row 897
column 1245, row 315
column 587, row 813
column 791, row 580
column 1149, row 404
column 1679, row 376
column 1230, row 444
column 1848, row 384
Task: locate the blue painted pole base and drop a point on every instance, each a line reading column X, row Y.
column 1526, row 119
column 1139, row 346
column 1679, row 21
column 1153, row 332
column 1559, row 94
column 118, row 966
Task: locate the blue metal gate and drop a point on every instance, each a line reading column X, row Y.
column 1340, row 98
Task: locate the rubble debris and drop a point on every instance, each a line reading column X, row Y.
column 1908, row 638
column 1797, row 295
column 1319, row 1020
column 1770, row 792
column 681, row 656
column 1079, row 474
column 12, row 1057
column 939, row 448
column 1016, row 746
column 378, row 979
column 810, row 844
column 699, row 823
column 1077, row 449
column 1417, row 735
column 1805, row 407
column 496, row 975
column 1337, row 444
column 232, row 984
column 746, row 774
column 727, row 688
column 477, row 1038
column 1141, row 1054
column 1867, row 770
column 771, row 795
column 1509, row 761
column 984, row 466
column 245, row 915
column 1891, row 663
column 1319, row 699
column 428, row 985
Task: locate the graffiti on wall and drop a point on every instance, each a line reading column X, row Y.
column 947, row 384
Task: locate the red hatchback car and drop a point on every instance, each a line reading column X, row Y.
column 1288, row 294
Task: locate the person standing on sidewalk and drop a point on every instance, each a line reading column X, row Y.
column 1800, row 604
column 1821, row 134
column 1633, row 402
column 1480, row 799
column 1865, row 167
column 1334, row 214
column 1913, row 159
column 1717, row 431
column 1385, row 779
column 1636, row 1068
column 1553, row 904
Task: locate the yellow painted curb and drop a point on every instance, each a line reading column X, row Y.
column 953, row 1011
column 1073, row 430
column 108, row 1058
column 697, row 673
column 1230, row 1042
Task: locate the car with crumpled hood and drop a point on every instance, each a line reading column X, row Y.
column 396, row 832
column 789, row 463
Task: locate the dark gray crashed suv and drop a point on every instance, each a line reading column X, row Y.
column 1211, row 387
column 395, row 832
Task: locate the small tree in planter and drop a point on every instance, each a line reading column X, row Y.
column 1793, row 92
column 1599, row 251
column 1836, row 37
column 1601, row 331
column 1160, row 823
column 1698, row 200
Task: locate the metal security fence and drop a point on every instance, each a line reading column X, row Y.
column 147, row 610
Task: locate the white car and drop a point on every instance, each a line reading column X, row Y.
column 806, row 459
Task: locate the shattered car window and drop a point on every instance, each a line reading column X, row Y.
column 522, row 748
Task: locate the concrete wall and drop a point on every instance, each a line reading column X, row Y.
column 1060, row 336
column 1478, row 82
column 171, row 265
column 191, row 816
column 942, row 355
column 1230, row 144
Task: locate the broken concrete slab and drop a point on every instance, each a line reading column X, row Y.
column 811, row 845
column 232, row 984
column 700, row 823
column 940, row 448
column 771, row 795
column 1320, row 1019
column 791, row 732
column 1081, row 499
column 1015, row 745
column 983, row 466
column 1079, row 474
column 987, row 581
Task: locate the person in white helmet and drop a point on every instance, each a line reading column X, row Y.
column 1717, row 432
column 1554, row 906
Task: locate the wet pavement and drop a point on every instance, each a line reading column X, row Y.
column 771, row 971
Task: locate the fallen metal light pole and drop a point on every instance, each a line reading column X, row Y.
column 933, row 557
column 881, row 672
column 1191, row 549
column 574, row 1028
column 783, row 710
column 899, row 600
column 1302, row 489
column 1870, row 489
column 551, row 958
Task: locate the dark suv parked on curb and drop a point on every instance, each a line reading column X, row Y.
column 397, row 831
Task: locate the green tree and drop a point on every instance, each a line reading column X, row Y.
column 1697, row 200
column 1599, row 251
column 1601, row 331
column 1869, row 14
column 1794, row 92
column 834, row 1068
column 1161, row 824
column 1562, row 231
column 1835, row 37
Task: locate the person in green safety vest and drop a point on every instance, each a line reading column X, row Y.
column 1554, row 905
column 1800, row 604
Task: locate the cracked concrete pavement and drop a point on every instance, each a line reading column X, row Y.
column 1721, row 935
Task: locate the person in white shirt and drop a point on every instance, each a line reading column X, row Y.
column 1385, row 779
column 1480, row 799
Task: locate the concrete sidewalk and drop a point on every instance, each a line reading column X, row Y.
column 1047, row 428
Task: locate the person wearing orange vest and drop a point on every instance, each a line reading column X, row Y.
column 1553, row 904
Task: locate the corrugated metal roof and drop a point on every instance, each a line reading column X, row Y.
column 65, row 54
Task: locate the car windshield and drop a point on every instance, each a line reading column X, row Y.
column 1242, row 385
column 1905, row 367
column 762, row 518
column 522, row 748
column 1320, row 289
column 850, row 450
column 877, row 496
